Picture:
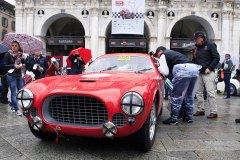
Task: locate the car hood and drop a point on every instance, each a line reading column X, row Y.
column 100, row 81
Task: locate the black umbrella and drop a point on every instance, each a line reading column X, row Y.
column 3, row 48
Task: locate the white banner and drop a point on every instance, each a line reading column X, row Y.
column 128, row 16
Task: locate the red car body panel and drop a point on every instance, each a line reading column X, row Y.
column 108, row 87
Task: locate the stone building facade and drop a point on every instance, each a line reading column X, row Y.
column 66, row 24
column 7, row 17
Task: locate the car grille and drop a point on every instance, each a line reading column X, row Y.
column 119, row 119
column 75, row 110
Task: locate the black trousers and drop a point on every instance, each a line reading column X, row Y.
column 4, row 91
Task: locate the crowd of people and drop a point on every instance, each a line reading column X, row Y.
column 191, row 78
column 15, row 65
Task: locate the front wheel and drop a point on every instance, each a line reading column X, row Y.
column 45, row 136
column 233, row 90
column 146, row 135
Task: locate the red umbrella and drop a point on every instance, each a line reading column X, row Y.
column 84, row 53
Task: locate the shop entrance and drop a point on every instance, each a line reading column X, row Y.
column 182, row 34
column 64, row 35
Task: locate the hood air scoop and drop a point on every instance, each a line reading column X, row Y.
column 87, row 80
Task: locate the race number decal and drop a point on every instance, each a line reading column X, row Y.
column 124, row 58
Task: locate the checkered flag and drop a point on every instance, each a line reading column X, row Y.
column 136, row 15
column 116, row 15
column 139, row 15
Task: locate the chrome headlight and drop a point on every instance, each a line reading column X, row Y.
column 25, row 98
column 132, row 103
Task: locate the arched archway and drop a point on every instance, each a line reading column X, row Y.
column 183, row 30
column 62, row 33
column 119, row 43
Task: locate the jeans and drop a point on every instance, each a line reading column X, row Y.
column 15, row 83
column 184, row 85
column 183, row 89
column 227, row 77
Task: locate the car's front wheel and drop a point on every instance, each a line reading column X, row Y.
column 233, row 90
column 45, row 136
column 146, row 135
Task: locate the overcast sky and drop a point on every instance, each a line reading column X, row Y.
column 11, row 2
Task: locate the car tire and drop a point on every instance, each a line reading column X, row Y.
column 233, row 90
column 161, row 111
column 45, row 136
column 146, row 135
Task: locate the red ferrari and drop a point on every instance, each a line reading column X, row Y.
column 118, row 95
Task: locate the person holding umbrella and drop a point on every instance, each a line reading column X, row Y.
column 77, row 64
column 14, row 62
column 77, row 60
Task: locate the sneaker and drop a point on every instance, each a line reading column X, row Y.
column 170, row 121
column 5, row 102
column 226, row 97
column 212, row 115
column 13, row 110
column 199, row 113
column 187, row 119
column 237, row 120
column 19, row 113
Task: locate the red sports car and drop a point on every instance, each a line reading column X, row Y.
column 118, row 95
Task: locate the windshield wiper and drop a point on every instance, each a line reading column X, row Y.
column 109, row 68
column 143, row 70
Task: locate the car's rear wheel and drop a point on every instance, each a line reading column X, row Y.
column 45, row 136
column 233, row 90
column 146, row 135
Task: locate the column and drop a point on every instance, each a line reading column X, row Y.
column 30, row 23
column 236, row 39
column 161, row 29
column 19, row 19
column 153, row 44
column 227, row 27
column 102, row 45
column 94, row 31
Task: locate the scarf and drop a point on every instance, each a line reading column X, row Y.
column 16, row 55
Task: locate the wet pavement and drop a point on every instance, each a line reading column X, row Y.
column 203, row 139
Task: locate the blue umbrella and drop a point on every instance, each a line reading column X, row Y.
column 3, row 48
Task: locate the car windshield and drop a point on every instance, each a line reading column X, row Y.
column 121, row 64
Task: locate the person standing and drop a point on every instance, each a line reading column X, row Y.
column 185, row 76
column 227, row 67
column 37, row 64
column 77, row 64
column 3, row 74
column 14, row 63
column 53, row 67
column 206, row 55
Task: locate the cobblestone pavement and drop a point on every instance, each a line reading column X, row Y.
column 203, row 139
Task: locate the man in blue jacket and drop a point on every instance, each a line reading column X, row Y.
column 37, row 64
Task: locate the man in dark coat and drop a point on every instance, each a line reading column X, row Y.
column 206, row 55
